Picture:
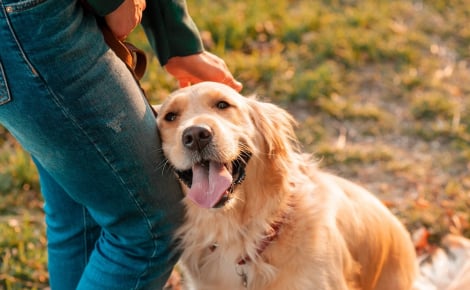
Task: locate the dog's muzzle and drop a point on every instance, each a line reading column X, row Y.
column 238, row 167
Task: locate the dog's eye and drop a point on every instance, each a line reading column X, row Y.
column 170, row 117
column 222, row 105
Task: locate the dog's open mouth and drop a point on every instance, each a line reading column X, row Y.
column 211, row 183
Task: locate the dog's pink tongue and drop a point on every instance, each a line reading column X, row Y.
column 209, row 186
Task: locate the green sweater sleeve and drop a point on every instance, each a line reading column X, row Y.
column 167, row 24
column 103, row 7
column 170, row 29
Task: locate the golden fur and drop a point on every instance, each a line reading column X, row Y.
column 333, row 234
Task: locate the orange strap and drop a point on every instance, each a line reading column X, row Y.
column 133, row 57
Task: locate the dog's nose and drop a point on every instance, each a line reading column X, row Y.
column 196, row 137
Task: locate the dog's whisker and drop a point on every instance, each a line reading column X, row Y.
column 163, row 165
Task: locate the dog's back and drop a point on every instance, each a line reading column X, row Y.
column 374, row 237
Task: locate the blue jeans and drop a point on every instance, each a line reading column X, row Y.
column 111, row 204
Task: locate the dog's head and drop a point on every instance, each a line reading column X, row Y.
column 213, row 137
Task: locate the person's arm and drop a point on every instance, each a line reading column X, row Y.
column 173, row 36
column 170, row 30
column 104, row 7
column 176, row 41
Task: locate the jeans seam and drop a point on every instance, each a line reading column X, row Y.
column 7, row 98
column 85, row 238
column 20, row 48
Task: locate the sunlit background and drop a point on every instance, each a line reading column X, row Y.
column 380, row 90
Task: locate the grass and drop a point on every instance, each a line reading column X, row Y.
column 23, row 241
column 379, row 89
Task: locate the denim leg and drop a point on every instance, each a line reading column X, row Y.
column 74, row 106
column 72, row 233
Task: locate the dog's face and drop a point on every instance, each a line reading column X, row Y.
column 208, row 138
column 210, row 134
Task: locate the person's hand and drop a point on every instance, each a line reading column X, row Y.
column 200, row 67
column 125, row 18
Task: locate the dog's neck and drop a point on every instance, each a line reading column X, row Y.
column 270, row 235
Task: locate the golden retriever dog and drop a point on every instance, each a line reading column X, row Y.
column 260, row 214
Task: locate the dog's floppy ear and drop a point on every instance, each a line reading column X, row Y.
column 276, row 126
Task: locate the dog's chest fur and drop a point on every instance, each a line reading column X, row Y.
column 213, row 257
column 217, row 268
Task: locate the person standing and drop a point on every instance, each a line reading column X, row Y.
column 111, row 205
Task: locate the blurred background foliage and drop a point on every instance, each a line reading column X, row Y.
column 380, row 90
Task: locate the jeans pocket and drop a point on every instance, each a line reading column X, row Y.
column 5, row 96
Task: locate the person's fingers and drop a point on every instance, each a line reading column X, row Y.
column 196, row 68
column 184, row 83
column 236, row 85
column 228, row 79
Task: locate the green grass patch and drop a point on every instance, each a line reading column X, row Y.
column 23, row 252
